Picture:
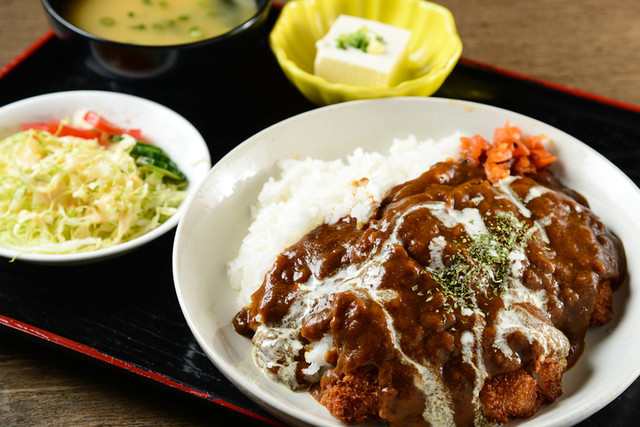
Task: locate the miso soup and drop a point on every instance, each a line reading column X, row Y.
column 159, row 22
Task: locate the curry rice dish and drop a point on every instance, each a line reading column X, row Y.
column 462, row 302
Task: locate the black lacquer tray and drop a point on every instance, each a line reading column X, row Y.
column 124, row 313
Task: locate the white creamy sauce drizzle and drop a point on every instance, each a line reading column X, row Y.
column 275, row 343
column 469, row 218
column 540, row 226
column 276, row 348
column 516, row 258
column 476, row 200
column 504, row 186
column 436, row 248
column 438, row 409
column 535, row 192
column 514, row 317
column 361, row 279
column 517, row 318
column 472, row 354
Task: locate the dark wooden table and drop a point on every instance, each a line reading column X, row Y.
column 589, row 45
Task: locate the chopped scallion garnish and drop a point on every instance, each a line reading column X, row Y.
column 107, row 21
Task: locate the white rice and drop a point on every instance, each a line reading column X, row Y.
column 312, row 191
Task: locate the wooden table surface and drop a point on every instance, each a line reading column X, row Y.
column 590, row 45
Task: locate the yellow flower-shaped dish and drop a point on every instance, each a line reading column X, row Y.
column 434, row 47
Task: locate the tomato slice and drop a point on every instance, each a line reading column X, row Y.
column 135, row 134
column 102, row 129
column 51, row 126
column 60, row 129
column 66, row 130
column 102, row 124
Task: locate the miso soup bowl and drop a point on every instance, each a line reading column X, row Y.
column 137, row 62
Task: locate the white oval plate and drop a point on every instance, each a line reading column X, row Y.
column 165, row 128
column 217, row 218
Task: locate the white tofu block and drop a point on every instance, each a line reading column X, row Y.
column 353, row 66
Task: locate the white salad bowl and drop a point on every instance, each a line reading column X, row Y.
column 217, row 218
column 159, row 124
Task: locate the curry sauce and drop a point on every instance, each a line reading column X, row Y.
column 462, row 302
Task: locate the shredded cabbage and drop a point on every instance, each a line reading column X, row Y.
column 68, row 194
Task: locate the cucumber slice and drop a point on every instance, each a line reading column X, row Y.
column 154, row 153
column 144, row 147
column 169, row 170
column 154, row 157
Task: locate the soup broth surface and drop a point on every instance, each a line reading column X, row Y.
column 159, row 22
